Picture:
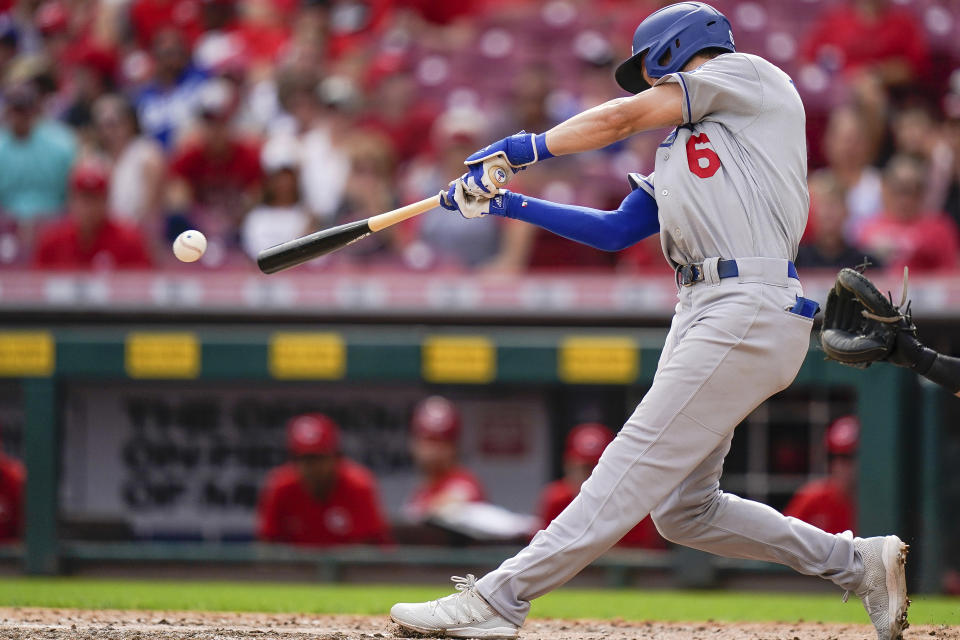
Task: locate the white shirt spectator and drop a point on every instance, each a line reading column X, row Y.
column 324, row 169
column 129, row 197
column 266, row 226
column 864, row 202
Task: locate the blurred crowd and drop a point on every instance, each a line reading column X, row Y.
column 256, row 121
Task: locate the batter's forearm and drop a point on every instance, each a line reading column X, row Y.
column 617, row 119
column 634, row 220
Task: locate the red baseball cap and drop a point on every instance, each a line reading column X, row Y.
column 586, row 442
column 89, row 176
column 843, row 436
column 312, row 434
column 436, row 418
column 51, row 17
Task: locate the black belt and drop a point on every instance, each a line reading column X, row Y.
column 690, row 274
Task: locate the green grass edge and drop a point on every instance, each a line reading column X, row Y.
column 627, row 604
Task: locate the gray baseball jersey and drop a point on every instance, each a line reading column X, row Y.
column 732, row 181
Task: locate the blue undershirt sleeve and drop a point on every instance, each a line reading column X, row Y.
column 634, row 220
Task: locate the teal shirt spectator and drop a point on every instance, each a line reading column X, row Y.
column 34, row 170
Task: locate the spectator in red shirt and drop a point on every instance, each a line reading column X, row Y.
column 830, row 503
column 585, row 444
column 870, row 35
column 216, row 177
column 87, row 238
column 321, row 498
column 12, row 481
column 435, row 428
column 905, row 235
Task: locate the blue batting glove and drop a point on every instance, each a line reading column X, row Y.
column 492, row 167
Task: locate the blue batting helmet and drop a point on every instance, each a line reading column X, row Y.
column 669, row 38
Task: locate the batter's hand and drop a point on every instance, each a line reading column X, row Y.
column 456, row 198
column 492, row 167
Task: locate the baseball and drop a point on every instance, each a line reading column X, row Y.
column 189, row 246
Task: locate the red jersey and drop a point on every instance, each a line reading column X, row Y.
column 288, row 513
column 845, row 39
column 218, row 180
column 12, row 478
column 824, row 505
column 558, row 494
column 928, row 243
column 457, row 485
column 262, row 43
column 115, row 246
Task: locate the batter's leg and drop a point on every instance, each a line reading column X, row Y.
column 746, row 339
column 697, row 514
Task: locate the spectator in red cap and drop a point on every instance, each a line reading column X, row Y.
column 435, row 428
column 585, row 444
column 149, row 17
column 12, row 480
column 87, row 238
column 320, row 498
column 830, row 503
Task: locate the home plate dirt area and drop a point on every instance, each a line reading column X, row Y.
column 72, row 624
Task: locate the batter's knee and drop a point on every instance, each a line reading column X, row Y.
column 681, row 521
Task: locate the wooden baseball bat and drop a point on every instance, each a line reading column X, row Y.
column 300, row 250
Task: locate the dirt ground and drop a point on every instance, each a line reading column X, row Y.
column 66, row 624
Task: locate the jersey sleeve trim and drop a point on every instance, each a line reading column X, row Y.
column 687, row 113
column 638, row 181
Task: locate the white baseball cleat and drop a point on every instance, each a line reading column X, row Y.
column 884, row 586
column 464, row 614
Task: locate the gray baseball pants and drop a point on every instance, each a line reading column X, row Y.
column 732, row 344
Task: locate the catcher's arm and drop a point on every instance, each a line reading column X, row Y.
column 862, row 326
column 932, row 365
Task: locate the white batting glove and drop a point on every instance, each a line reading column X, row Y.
column 456, row 198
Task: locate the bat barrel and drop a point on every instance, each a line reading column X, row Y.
column 290, row 254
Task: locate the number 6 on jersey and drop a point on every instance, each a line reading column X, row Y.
column 703, row 160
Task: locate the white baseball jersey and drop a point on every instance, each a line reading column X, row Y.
column 732, row 181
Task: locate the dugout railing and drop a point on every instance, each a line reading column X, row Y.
column 44, row 360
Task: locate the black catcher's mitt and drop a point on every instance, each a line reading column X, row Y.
column 860, row 324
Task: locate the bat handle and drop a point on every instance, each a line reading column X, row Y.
column 391, row 218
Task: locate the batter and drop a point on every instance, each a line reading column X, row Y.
column 729, row 199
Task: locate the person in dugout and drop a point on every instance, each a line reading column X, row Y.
column 320, row 498
column 435, row 431
column 12, row 482
column 829, row 503
column 585, row 443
